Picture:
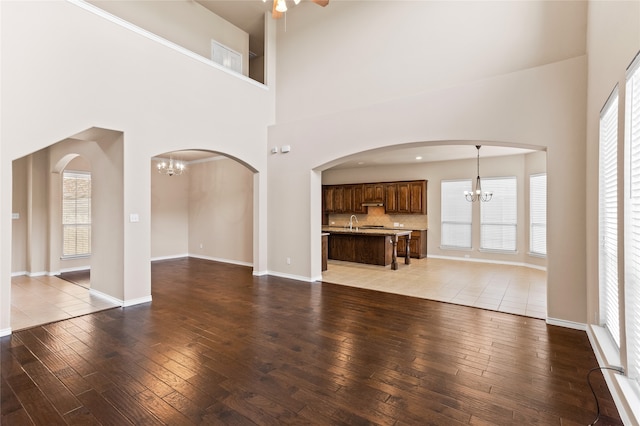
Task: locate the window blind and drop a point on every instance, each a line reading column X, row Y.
column 538, row 214
column 499, row 217
column 608, row 218
column 455, row 215
column 632, row 218
column 76, row 213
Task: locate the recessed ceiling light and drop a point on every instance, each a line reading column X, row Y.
column 418, row 158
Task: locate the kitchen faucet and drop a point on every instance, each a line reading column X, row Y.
column 353, row 216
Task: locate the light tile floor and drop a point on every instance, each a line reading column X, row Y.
column 513, row 289
column 44, row 299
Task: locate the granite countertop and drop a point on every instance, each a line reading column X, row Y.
column 366, row 231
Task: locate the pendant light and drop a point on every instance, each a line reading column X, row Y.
column 477, row 194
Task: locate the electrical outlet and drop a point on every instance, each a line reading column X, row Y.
column 288, row 261
column 201, row 245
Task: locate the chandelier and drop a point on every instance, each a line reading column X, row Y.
column 280, row 6
column 173, row 168
column 478, row 194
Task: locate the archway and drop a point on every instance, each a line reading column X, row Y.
column 437, row 162
column 207, row 211
column 37, row 238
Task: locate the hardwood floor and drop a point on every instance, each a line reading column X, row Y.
column 219, row 346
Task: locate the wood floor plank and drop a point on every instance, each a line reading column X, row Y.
column 220, row 346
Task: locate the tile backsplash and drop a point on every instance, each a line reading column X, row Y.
column 377, row 216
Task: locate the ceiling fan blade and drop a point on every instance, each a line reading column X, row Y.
column 274, row 13
column 322, row 3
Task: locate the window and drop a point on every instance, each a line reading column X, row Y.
column 455, row 214
column 538, row 214
column 76, row 214
column 608, row 218
column 498, row 217
column 632, row 220
column 226, row 57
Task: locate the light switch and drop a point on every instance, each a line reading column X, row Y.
column 133, row 217
column 15, row 215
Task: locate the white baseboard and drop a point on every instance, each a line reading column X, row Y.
column 172, row 257
column 18, row 274
column 105, row 296
column 5, row 332
column 138, row 301
column 76, row 269
column 495, row 262
column 291, row 277
column 567, row 324
column 260, row 273
column 219, row 259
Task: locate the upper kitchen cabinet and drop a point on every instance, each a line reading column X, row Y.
column 333, row 198
column 408, row 197
column 391, row 198
column 418, row 197
column 353, row 196
column 373, row 193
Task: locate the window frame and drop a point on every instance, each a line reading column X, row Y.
column 498, row 194
column 533, row 207
column 66, row 254
column 460, row 185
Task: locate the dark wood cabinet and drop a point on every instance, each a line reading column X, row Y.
column 358, row 199
column 391, row 198
column 373, row 193
column 370, row 249
column 418, row 197
column 417, row 245
column 325, row 251
column 408, row 197
column 404, row 198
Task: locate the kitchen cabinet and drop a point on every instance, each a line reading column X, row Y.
column 327, row 199
column 391, row 198
column 417, row 245
column 374, row 247
column 409, row 197
column 373, row 193
column 346, row 199
column 333, row 198
column 404, row 198
column 418, row 197
column 325, row 250
column 352, row 199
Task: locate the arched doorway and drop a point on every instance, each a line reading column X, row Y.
column 513, row 282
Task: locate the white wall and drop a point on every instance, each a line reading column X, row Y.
column 354, row 54
column 185, row 23
column 68, row 70
column 527, row 89
column 207, row 212
column 169, row 214
column 220, row 211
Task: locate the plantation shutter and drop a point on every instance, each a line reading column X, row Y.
column 76, row 214
column 632, row 216
column 499, row 217
column 455, row 215
column 608, row 227
column 538, row 214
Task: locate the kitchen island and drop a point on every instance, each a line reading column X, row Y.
column 374, row 246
